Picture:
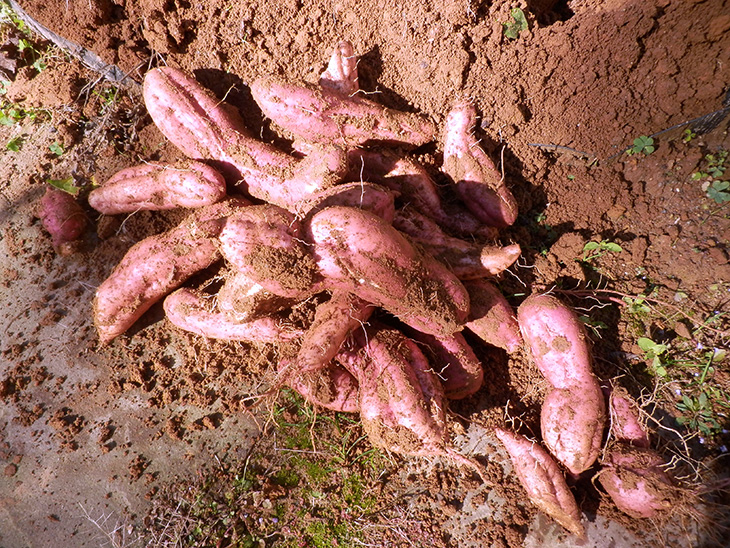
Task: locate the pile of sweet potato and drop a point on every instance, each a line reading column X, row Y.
column 353, row 220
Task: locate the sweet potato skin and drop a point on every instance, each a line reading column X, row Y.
column 491, row 318
column 156, row 187
column 556, row 341
column 63, row 218
column 625, row 424
column 543, row 481
column 361, row 253
column 572, row 422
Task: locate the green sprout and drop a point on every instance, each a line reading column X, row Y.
column 513, row 28
column 642, row 145
column 656, row 353
column 594, row 250
column 67, row 185
column 688, row 135
column 713, row 184
column 56, row 148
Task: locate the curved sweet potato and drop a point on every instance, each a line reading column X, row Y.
column 203, row 127
column 157, row 186
column 263, row 242
column 556, row 340
column 572, row 423
column 491, row 317
column 156, row 266
column 62, row 216
column 454, row 362
column 634, row 479
column 359, row 252
column 476, row 180
column 192, row 312
column 324, row 115
column 543, row 481
column 335, row 387
column 367, row 196
column 625, row 423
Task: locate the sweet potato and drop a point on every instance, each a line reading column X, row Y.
column 361, row 253
column 203, row 127
column 63, row 218
column 367, row 196
column 626, row 426
column 341, row 72
column 454, row 362
column 240, row 299
column 192, row 312
column 572, row 423
column 158, row 186
column 324, row 115
column 264, row 242
column 491, row 317
column 633, row 477
column 156, row 266
column 415, row 189
column 543, row 481
column 476, row 180
column 556, row 340
column 467, row 260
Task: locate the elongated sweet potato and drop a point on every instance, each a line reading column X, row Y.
column 205, row 128
column 635, row 480
column 335, row 387
column 324, row 115
column 157, row 186
column 156, row 266
column 467, row 260
column 491, row 318
column 572, row 422
column 476, row 180
column 454, row 362
column 361, row 253
column 543, row 481
column 191, row 311
column 556, row 340
column 264, row 242
column 367, row 196
column 63, row 218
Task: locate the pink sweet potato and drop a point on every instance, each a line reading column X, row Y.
column 556, row 340
column 454, row 362
column 543, row 481
column 156, row 266
column 415, row 189
column 63, row 218
column 341, row 73
column 359, row 252
column 633, row 477
column 491, row 318
column 626, row 426
column 476, row 180
column 324, row 115
column 264, row 242
column 203, row 127
column 572, row 423
column 467, row 260
column 192, row 312
column 367, row 196
column 240, row 299
column 157, row 186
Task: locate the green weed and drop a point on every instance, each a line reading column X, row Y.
column 595, row 250
column 512, row 29
column 642, row 145
column 712, row 177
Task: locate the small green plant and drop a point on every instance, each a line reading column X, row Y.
column 655, row 352
column 594, row 250
column 713, row 184
column 642, row 145
column 512, row 29
column 14, row 144
column 688, row 135
column 699, row 414
column 56, row 148
column 67, row 185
